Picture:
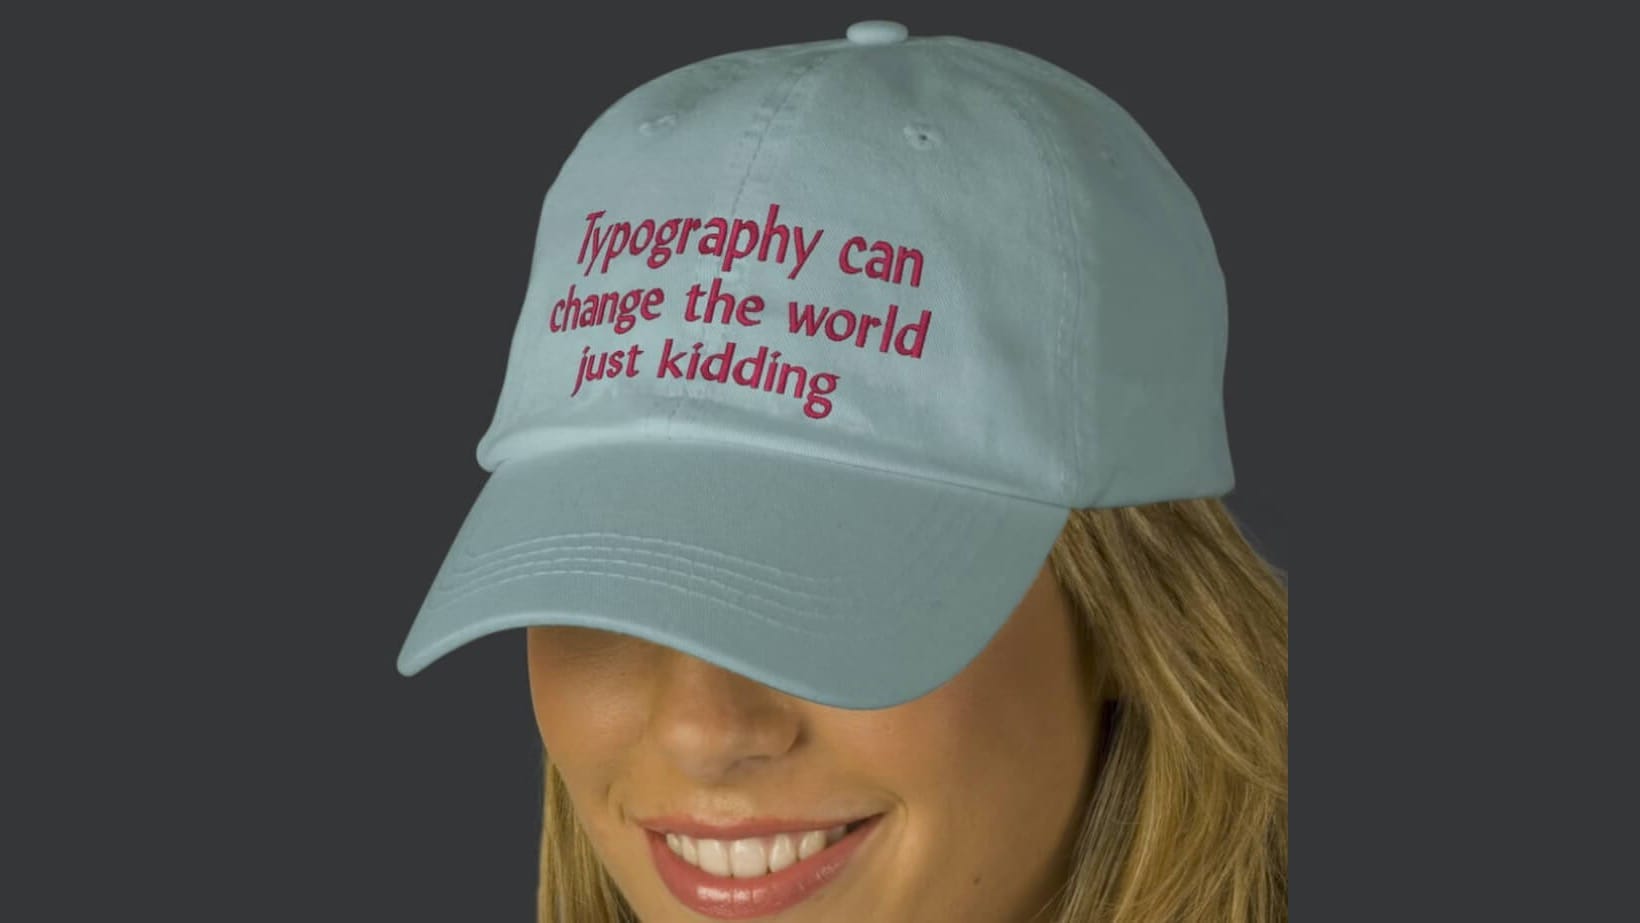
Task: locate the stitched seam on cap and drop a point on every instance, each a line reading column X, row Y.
column 1013, row 103
column 1074, row 306
column 686, row 393
column 774, row 114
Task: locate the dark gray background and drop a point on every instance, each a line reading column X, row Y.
column 282, row 249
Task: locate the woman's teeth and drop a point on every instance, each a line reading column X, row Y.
column 754, row 856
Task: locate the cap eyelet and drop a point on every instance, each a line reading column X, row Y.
column 922, row 137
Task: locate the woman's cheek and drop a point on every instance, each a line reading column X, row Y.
column 588, row 689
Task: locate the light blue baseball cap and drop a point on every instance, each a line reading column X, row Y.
column 821, row 345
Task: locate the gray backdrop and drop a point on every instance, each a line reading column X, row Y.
column 280, row 251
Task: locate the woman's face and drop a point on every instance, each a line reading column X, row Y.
column 979, row 784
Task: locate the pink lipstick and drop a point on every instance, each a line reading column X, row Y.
column 728, row 898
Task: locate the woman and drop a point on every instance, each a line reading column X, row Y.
column 1143, row 780
column 962, row 633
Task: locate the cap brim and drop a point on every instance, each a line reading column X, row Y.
column 843, row 585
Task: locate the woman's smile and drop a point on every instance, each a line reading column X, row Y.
column 753, row 875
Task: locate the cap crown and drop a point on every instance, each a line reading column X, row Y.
column 955, row 260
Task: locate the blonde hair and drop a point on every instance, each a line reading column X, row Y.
column 1187, row 819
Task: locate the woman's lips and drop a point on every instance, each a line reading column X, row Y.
column 727, row 898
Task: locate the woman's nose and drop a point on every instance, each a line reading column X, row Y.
column 711, row 723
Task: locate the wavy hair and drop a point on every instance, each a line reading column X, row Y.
column 1187, row 818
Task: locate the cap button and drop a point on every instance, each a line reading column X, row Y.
column 876, row 32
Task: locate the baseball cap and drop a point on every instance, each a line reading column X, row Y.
column 821, row 345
